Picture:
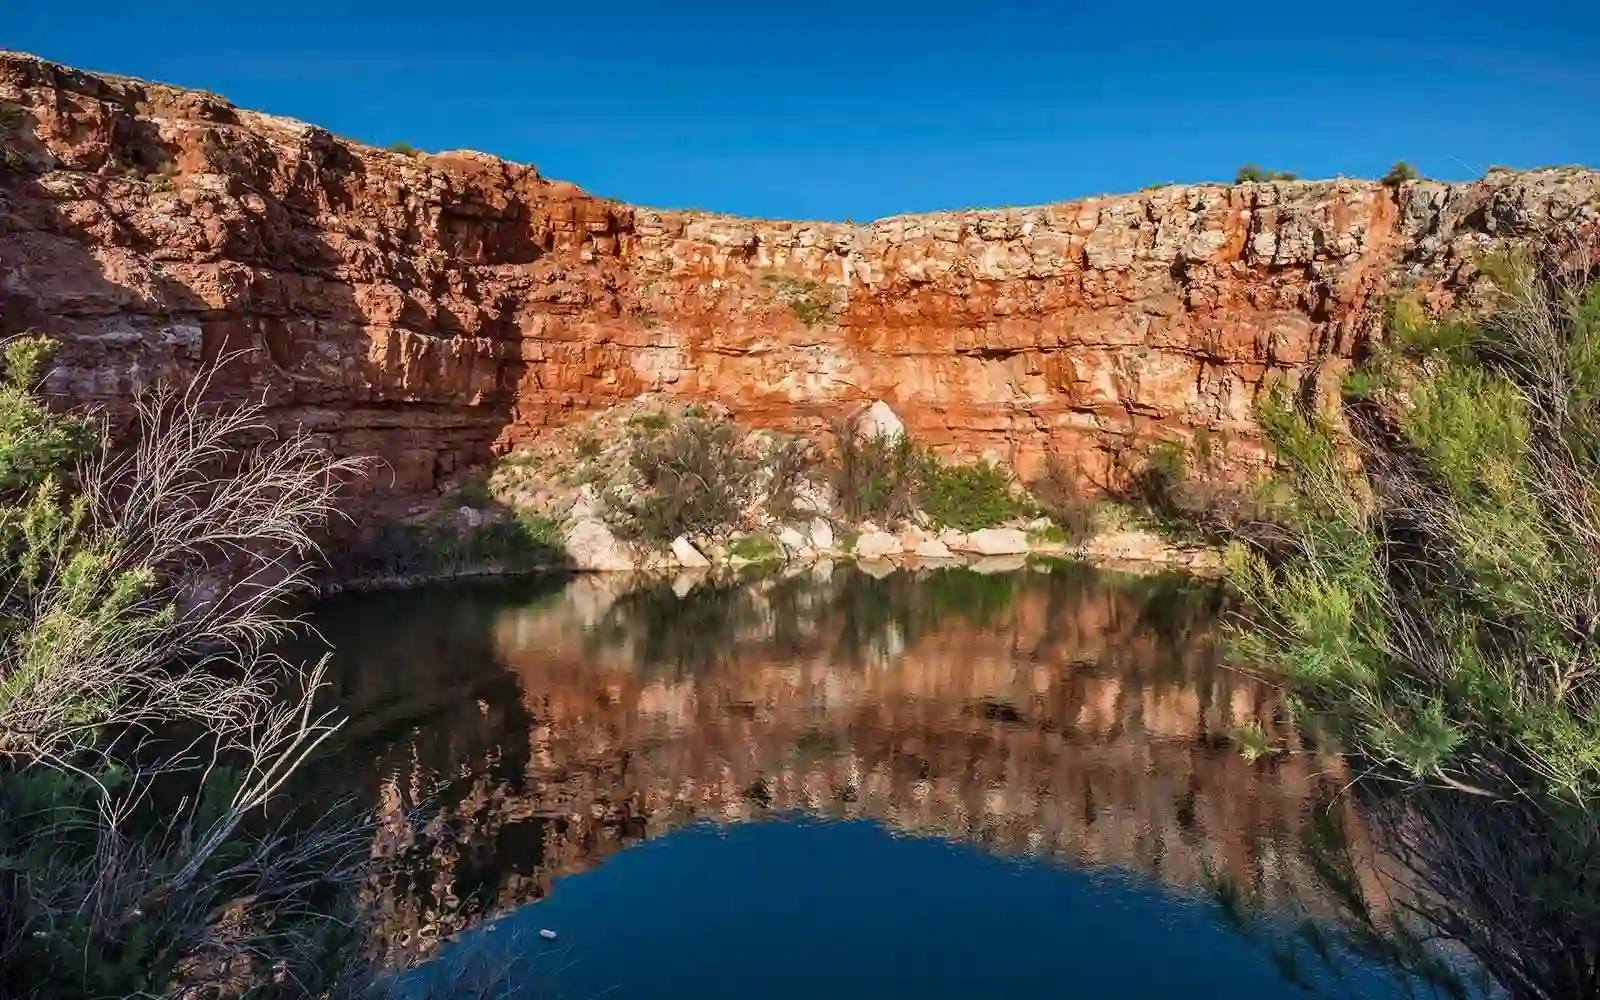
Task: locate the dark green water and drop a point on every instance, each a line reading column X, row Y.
column 935, row 785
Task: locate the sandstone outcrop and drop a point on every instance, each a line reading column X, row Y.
column 436, row 310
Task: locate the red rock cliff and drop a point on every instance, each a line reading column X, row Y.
column 433, row 309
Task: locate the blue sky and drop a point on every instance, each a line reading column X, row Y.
column 857, row 110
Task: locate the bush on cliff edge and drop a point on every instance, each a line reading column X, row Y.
column 1438, row 612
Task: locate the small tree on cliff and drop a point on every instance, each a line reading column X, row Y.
column 1401, row 173
column 144, row 724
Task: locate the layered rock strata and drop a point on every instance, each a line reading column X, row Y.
column 433, row 310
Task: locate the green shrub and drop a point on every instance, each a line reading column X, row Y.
column 756, row 548
column 1051, row 534
column 586, row 446
column 1058, row 496
column 1250, row 173
column 1159, row 481
column 810, row 301
column 1435, row 614
column 789, row 464
column 1359, row 384
column 650, row 423
column 404, row 149
column 35, row 443
column 1401, row 173
column 401, row 550
column 130, row 858
column 968, row 497
column 474, row 491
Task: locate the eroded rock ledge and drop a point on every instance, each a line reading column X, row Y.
column 437, row 310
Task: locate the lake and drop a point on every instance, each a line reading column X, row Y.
column 940, row 783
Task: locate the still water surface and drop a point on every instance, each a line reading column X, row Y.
column 941, row 784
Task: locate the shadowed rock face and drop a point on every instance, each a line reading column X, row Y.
column 431, row 310
column 1074, row 716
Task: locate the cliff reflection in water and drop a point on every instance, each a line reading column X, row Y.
column 1068, row 714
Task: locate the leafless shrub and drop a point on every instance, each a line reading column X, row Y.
column 692, row 476
column 146, row 723
column 789, row 464
column 1062, row 499
column 875, row 476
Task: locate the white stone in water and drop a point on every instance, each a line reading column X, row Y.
column 687, row 555
column 876, row 545
column 686, row 581
column 992, row 542
column 547, row 934
column 932, row 548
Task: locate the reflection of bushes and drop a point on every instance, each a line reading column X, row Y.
column 863, row 610
column 860, row 617
column 689, row 634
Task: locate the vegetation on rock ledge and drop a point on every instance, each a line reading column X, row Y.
column 1436, row 610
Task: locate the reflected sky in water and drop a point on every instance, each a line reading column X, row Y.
column 941, row 782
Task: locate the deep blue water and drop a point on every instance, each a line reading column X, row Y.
column 804, row 909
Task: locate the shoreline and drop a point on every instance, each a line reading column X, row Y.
column 1125, row 552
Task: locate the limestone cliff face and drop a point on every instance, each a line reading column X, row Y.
column 430, row 310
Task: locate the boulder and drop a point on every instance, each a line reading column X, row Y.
column 912, row 537
column 687, row 555
column 878, row 420
column 792, row 539
column 932, row 548
column 993, row 542
column 586, row 505
column 591, row 546
column 821, row 535
column 876, row 545
column 877, row 568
